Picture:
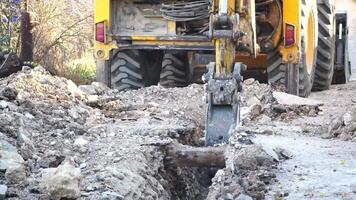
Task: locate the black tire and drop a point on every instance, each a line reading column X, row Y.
column 306, row 79
column 278, row 71
column 134, row 69
column 175, row 70
column 324, row 69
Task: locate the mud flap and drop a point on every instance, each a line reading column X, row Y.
column 292, row 80
column 103, row 72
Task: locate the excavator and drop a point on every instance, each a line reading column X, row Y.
column 297, row 44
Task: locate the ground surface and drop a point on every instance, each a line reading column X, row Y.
column 320, row 168
column 106, row 144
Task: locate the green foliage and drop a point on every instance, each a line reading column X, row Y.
column 9, row 24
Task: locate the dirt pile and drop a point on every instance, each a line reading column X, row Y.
column 45, row 120
column 249, row 169
column 260, row 102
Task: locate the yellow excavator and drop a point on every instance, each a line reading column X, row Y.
column 292, row 43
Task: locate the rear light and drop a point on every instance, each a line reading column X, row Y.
column 100, row 32
column 289, row 38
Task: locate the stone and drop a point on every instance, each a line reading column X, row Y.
column 11, row 163
column 279, row 108
column 27, row 147
column 80, row 142
column 100, row 87
column 347, row 119
column 345, row 137
column 255, row 111
column 283, row 154
column 251, row 157
column 3, row 104
column 3, row 190
column 352, row 127
column 88, row 89
column 334, row 126
column 9, row 93
column 292, row 100
column 62, row 182
column 244, row 197
column 108, row 195
column 15, row 174
column 249, row 81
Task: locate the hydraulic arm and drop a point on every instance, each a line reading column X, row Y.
column 223, row 80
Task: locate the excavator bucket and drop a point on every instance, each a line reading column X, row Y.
column 223, row 98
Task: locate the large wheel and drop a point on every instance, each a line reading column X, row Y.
column 134, row 69
column 326, row 46
column 280, row 73
column 175, row 70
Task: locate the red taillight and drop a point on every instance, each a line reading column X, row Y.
column 289, row 39
column 100, row 32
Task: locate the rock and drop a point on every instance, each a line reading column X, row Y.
column 62, row 182
column 352, row 127
column 25, row 143
column 3, row 190
column 283, row 154
column 9, row 93
column 3, row 104
column 292, row 100
column 347, row 119
column 255, row 111
column 88, row 89
column 108, row 195
column 15, row 174
column 345, row 137
column 11, row 163
column 80, row 142
column 279, row 108
column 51, row 159
column 333, row 128
column 244, row 197
column 100, row 87
column 249, row 81
column 252, row 156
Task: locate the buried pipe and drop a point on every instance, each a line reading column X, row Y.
column 188, row 156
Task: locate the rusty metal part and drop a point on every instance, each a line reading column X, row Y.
column 188, row 156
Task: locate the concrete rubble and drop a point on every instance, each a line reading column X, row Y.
column 62, row 182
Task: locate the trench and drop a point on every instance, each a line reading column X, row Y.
column 188, row 182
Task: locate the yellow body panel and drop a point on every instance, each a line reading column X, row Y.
column 292, row 14
column 102, row 14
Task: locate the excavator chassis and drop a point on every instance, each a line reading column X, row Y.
column 276, row 37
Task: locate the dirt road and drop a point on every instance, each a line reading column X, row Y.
column 320, row 168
